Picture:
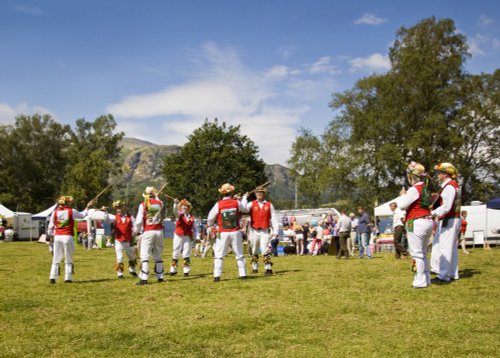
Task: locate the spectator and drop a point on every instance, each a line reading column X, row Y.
column 364, row 231
column 353, row 239
column 398, row 230
column 299, row 237
column 463, row 229
column 344, row 234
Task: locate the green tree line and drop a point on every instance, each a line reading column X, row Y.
column 42, row 159
column 425, row 108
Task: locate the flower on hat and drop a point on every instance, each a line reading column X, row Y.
column 417, row 169
column 118, row 203
column 186, row 203
column 447, row 168
column 226, row 189
column 65, row 199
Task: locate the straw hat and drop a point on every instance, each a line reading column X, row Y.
column 118, row 204
column 261, row 190
column 150, row 191
column 226, row 189
column 65, row 199
column 417, row 169
column 185, row 202
column 447, row 168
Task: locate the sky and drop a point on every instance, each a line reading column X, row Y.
column 161, row 67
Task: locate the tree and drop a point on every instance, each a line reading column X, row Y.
column 92, row 159
column 33, row 162
column 214, row 154
column 306, row 163
column 425, row 108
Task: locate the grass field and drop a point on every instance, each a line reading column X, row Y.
column 312, row 307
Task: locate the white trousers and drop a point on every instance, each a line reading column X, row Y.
column 259, row 241
column 64, row 247
column 220, row 250
column 181, row 244
column 121, row 248
column 417, row 245
column 151, row 245
column 207, row 245
column 446, row 253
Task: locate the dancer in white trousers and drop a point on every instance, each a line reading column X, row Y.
column 416, row 201
column 227, row 213
column 61, row 225
column 445, row 255
column 263, row 228
column 124, row 224
column 183, row 236
column 149, row 221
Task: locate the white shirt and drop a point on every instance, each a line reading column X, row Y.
column 397, row 218
column 407, row 199
column 448, row 196
column 214, row 212
column 344, row 223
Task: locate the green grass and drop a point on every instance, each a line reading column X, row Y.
column 312, row 307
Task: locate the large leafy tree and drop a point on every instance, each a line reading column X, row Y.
column 214, row 154
column 33, row 162
column 92, row 159
column 426, row 108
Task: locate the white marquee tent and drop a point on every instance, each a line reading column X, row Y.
column 6, row 213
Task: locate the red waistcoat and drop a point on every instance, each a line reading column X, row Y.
column 229, row 215
column 260, row 218
column 123, row 230
column 153, row 216
column 63, row 221
column 416, row 210
column 455, row 208
column 184, row 225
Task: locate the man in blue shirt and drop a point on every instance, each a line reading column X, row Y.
column 363, row 230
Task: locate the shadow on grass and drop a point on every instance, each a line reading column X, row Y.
column 195, row 277
column 95, row 281
column 468, row 273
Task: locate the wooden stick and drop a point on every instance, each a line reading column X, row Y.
column 161, row 189
column 102, row 192
column 260, row 186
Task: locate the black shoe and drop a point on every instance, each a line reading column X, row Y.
column 142, row 283
column 133, row 273
column 120, row 277
column 186, row 274
column 173, row 273
column 52, row 281
column 68, row 281
column 160, row 280
column 438, row 281
column 243, row 277
column 268, row 273
column 217, row 279
column 255, row 271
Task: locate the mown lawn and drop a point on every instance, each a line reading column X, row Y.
column 312, row 307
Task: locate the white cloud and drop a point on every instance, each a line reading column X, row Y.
column 323, row 65
column 28, row 10
column 219, row 86
column 485, row 20
column 375, row 62
column 370, row 19
column 8, row 113
column 482, row 45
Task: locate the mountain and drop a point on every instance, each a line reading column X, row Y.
column 143, row 166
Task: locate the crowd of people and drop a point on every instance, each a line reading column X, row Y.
column 427, row 211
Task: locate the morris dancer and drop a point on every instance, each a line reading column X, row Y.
column 183, row 236
column 149, row 220
column 263, row 228
column 419, row 224
column 227, row 212
column 445, row 253
column 61, row 225
column 124, row 223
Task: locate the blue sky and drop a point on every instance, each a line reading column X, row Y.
column 162, row 67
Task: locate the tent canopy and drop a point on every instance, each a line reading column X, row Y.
column 385, row 209
column 6, row 213
column 44, row 214
column 493, row 204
